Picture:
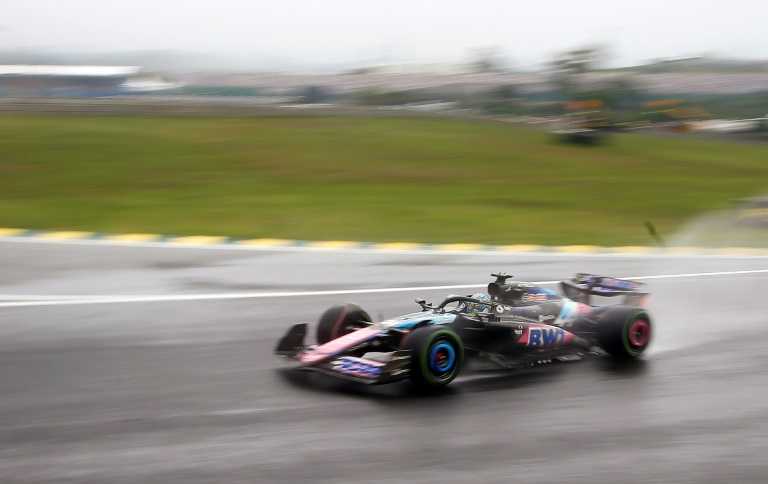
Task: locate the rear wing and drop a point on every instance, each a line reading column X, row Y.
column 581, row 287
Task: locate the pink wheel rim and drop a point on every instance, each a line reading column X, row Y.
column 639, row 333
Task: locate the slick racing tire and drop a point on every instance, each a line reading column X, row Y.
column 437, row 355
column 625, row 332
column 340, row 320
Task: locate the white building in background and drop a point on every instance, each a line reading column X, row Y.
column 76, row 81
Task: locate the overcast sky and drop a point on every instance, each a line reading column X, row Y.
column 316, row 32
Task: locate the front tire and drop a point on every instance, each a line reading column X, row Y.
column 340, row 320
column 437, row 355
column 625, row 332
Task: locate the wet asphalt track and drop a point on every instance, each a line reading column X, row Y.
column 189, row 390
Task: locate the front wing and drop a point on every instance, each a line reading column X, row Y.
column 370, row 368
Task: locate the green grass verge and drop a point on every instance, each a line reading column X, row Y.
column 383, row 180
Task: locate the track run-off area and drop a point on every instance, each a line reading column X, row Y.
column 152, row 362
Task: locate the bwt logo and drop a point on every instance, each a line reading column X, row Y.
column 547, row 337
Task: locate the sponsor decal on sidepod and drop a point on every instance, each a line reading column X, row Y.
column 545, row 336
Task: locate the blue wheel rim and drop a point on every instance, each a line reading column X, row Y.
column 442, row 357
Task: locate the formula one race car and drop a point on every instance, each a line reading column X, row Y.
column 516, row 324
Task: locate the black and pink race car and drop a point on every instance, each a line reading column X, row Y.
column 516, row 324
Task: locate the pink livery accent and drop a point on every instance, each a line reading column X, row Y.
column 572, row 310
column 585, row 309
column 338, row 345
column 545, row 337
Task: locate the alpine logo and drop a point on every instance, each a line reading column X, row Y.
column 545, row 336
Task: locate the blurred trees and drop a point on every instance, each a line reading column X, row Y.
column 314, row 95
column 501, row 100
column 567, row 68
column 580, row 60
column 487, row 59
column 618, row 95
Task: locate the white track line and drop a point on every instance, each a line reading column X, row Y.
column 61, row 300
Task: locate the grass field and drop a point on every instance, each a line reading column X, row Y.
column 417, row 180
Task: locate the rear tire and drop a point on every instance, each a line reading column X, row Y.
column 437, row 355
column 340, row 320
column 625, row 332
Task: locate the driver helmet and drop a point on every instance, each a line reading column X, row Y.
column 473, row 308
